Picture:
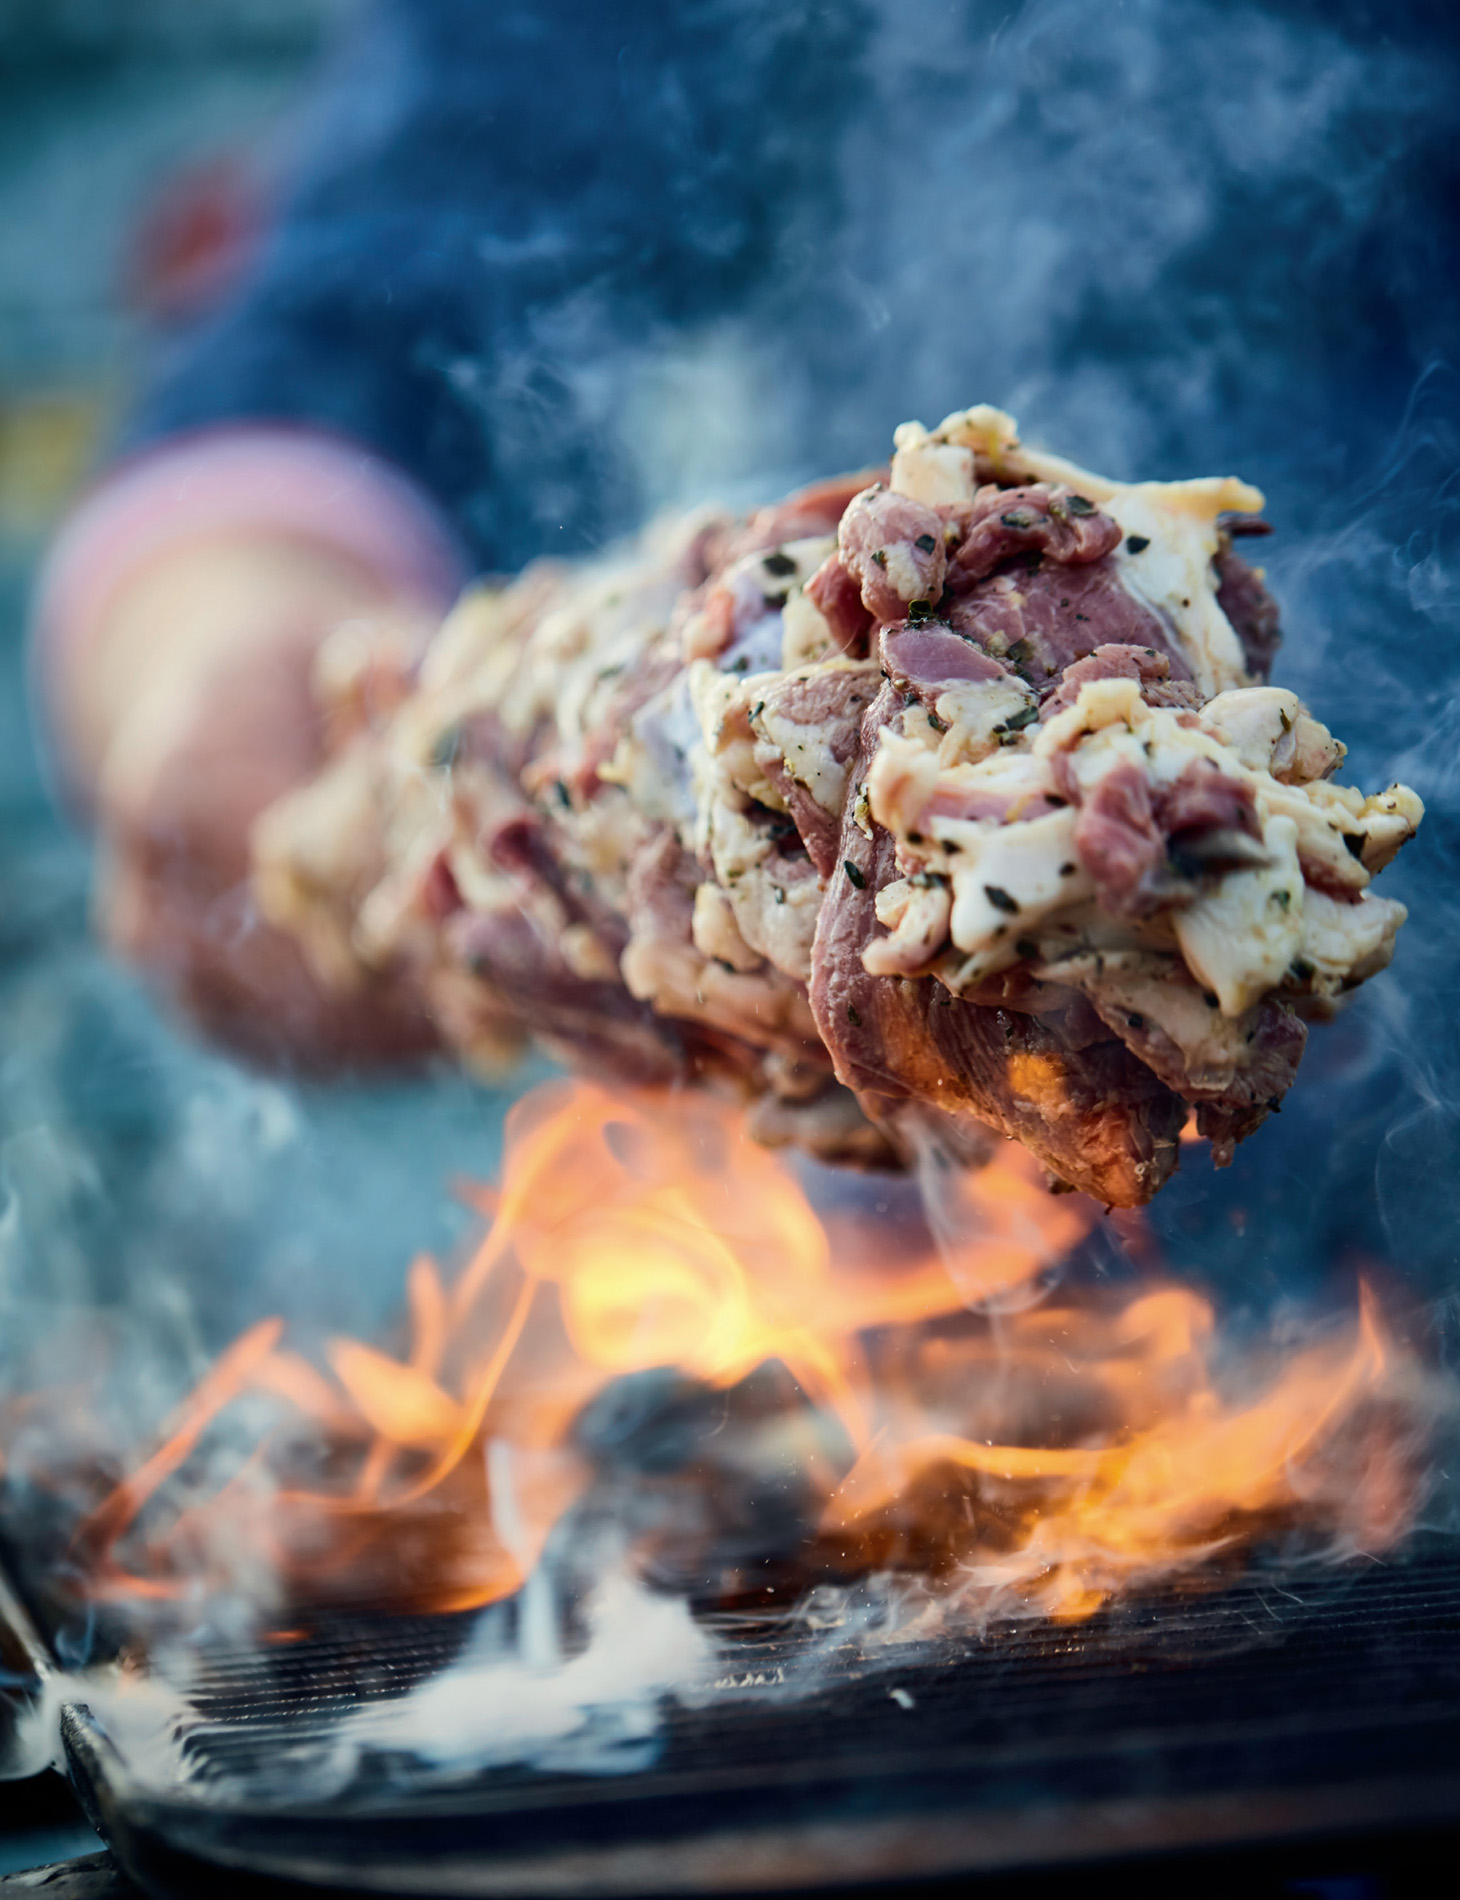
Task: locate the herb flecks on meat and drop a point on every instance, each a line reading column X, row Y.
column 944, row 798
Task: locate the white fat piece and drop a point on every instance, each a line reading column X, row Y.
column 807, row 555
column 1101, row 703
column 1174, row 573
column 654, row 760
column 1007, row 879
column 776, row 919
column 1343, row 943
column 716, row 933
column 977, row 715
column 902, row 778
column 806, row 634
column 1270, row 730
column 915, row 911
column 928, row 471
column 1241, row 940
column 1252, row 722
column 726, row 757
column 984, row 431
column 1390, row 819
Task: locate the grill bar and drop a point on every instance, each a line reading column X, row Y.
column 1284, row 1708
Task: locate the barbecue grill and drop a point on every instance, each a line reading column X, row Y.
column 1311, row 1718
column 1306, row 1704
column 1292, row 1728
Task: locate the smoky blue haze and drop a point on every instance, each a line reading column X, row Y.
column 572, row 264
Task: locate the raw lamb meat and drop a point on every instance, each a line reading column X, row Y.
column 931, row 803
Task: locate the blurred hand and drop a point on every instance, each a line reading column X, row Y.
column 185, row 712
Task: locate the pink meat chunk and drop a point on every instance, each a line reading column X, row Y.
column 893, row 548
column 999, row 523
column 838, row 598
column 1150, row 667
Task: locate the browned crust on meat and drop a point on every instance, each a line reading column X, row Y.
column 1094, row 1115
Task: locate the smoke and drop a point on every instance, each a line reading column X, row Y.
column 1173, row 237
column 597, row 1711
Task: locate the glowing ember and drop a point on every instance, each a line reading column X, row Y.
column 942, row 1418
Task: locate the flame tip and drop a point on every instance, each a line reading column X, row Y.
column 1050, row 1453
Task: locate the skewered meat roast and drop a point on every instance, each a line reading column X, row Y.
column 939, row 800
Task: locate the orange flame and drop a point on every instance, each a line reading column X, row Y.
column 1048, row 1454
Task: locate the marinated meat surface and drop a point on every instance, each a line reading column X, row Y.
column 1093, row 1114
column 939, row 801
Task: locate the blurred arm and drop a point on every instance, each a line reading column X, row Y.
column 176, row 626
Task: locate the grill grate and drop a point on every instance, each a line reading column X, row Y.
column 1275, row 1707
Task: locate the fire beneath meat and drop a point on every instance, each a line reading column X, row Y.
column 659, row 1331
column 936, row 806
